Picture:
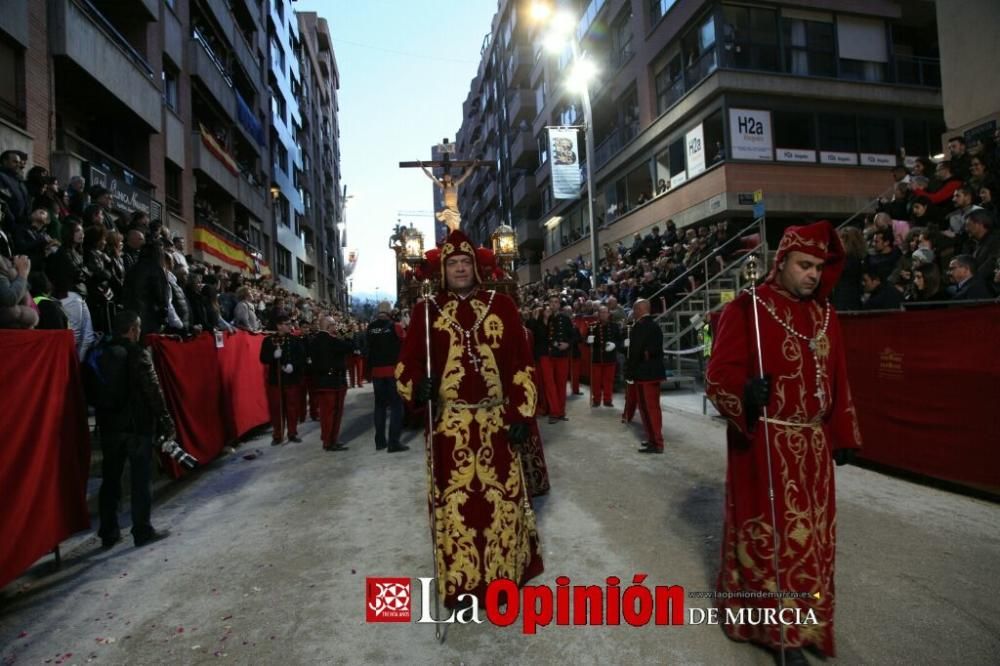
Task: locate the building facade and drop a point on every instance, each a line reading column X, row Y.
column 700, row 103
column 169, row 105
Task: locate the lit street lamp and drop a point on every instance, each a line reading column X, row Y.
column 562, row 28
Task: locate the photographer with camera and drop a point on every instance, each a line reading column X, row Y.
column 132, row 417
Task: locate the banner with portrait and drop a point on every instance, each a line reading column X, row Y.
column 565, row 163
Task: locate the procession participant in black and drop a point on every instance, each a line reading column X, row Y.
column 554, row 364
column 383, row 340
column 575, row 357
column 308, row 380
column 328, row 351
column 631, row 397
column 285, row 358
column 644, row 367
column 604, row 337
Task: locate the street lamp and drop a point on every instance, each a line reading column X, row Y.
column 562, row 28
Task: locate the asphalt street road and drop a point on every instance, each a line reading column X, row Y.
column 267, row 560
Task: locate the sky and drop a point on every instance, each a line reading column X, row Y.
column 405, row 70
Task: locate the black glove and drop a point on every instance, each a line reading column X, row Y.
column 518, row 434
column 756, row 394
column 843, row 456
column 425, row 390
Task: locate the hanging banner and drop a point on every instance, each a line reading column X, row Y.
column 695, row 142
column 750, row 134
column 565, row 163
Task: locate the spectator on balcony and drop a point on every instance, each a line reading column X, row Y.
column 77, row 196
column 139, row 220
column 116, row 263
column 988, row 197
column 244, row 313
column 847, row 292
column 941, row 189
column 885, row 255
column 12, row 179
column 964, row 204
column 49, row 199
column 32, row 241
column 51, row 314
column 134, row 241
column 16, row 308
column 68, row 260
column 926, row 285
column 64, row 288
column 177, row 252
column 228, row 299
column 959, row 158
column 881, row 294
column 101, row 197
column 100, row 295
column 178, row 308
column 661, row 187
column 967, row 285
column 981, row 175
column 146, row 289
column 984, row 246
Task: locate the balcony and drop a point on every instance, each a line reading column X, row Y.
column 524, row 151
column 614, row 143
column 522, row 107
column 208, row 68
column 208, row 163
column 529, row 233
column 254, row 198
column 79, row 32
column 521, row 63
column 916, row 71
column 490, row 193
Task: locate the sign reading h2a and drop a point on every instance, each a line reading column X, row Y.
column 750, row 134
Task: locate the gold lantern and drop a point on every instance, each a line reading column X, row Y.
column 504, row 242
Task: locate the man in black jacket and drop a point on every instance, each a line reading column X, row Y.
column 328, row 350
column 285, row 358
column 644, row 367
column 604, row 337
column 383, row 341
column 129, row 431
column 557, row 335
column 12, row 180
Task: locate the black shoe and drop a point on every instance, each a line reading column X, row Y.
column 275, row 442
column 336, row 447
column 152, row 538
column 108, row 542
column 577, row 392
column 397, row 449
column 553, row 419
column 609, row 404
column 650, row 449
column 793, row 657
column 294, row 438
column 380, row 447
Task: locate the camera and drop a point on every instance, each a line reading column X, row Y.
column 179, row 455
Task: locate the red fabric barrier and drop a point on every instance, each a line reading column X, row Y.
column 45, row 455
column 925, row 388
column 214, row 395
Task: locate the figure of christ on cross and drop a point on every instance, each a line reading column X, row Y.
column 449, row 215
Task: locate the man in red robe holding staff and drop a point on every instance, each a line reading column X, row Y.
column 795, row 413
column 482, row 392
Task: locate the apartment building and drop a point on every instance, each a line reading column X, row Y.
column 169, row 104
column 698, row 104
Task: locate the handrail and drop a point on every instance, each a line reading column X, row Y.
column 738, row 236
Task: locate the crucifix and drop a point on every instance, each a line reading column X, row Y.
column 448, row 215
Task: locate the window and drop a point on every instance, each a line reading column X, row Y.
column 543, row 147
column 298, row 225
column 170, row 87
column 173, row 187
column 621, row 38
column 569, row 114
column 793, row 130
column 750, row 38
column 300, row 271
column 12, row 83
column 282, row 211
column 658, row 9
column 862, row 47
column 540, row 91
column 837, row 133
column 283, row 259
column 808, row 46
column 669, row 84
column 698, row 48
column 877, row 135
column 639, row 184
column 677, row 173
column 916, row 139
column 715, row 142
column 662, row 168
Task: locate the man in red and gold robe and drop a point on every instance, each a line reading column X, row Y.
column 482, row 393
column 798, row 409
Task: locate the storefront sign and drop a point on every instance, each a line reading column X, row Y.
column 750, row 134
column 695, row 142
column 795, row 155
column 878, row 159
column 827, row 157
column 125, row 198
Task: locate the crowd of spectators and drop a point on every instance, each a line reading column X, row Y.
column 69, row 260
column 935, row 239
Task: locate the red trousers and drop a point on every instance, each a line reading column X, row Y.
column 331, row 413
column 574, row 373
column 649, row 409
column 602, row 383
column 631, row 399
column 309, row 386
column 290, row 410
column 356, row 367
column 554, row 373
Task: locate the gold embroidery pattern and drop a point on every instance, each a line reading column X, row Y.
column 523, row 379
column 493, row 328
column 405, row 389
